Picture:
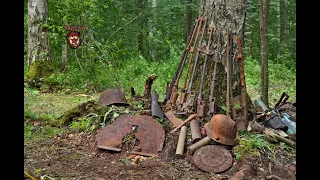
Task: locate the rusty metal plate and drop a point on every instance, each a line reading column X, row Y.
column 173, row 119
column 112, row 96
column 213, row 158
column 149, row 132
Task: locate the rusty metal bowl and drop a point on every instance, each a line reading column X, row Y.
column 221, row 129
column 112, row 97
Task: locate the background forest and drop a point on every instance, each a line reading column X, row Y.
column 126, row 41
column 123, row 43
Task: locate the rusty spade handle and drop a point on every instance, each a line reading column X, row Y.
column 173, row 93
column 244, row 104
column 210, row 29
column 182, row 61
column 281, row 100
column 200, row 102
column 182, row 97
column 191, row 56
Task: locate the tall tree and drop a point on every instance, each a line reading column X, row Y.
column 39, row 64
column 263, row 22
column 141, row 23
column 38, row 44
column 189, row 19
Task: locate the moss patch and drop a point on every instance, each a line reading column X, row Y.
column 39, row 69
column 79, row 111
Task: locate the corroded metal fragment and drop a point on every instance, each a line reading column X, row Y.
column 221, row 129
column 112, row 96
column 149, row 132
column 213, row 158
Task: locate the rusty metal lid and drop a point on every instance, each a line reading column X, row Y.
column 112, row 96
column 221, row 129
column 148, row 131
column 213, row 158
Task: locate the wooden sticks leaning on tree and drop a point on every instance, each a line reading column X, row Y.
column 242, row 123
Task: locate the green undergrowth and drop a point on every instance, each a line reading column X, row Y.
column 281, row 79
column 38, row 133
column 253, row 144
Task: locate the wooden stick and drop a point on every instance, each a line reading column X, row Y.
column 198, row 144
column 192, row 116
column 228, row 75
column 29, row 176
column 181, row 141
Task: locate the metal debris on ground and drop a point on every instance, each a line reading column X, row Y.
column 156, row 111
column 221, row 129
column 148, row 131
column 112, row 97
column 213, row 158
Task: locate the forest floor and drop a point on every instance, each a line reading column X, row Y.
column 61, row 153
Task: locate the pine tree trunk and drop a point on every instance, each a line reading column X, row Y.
column 153, row 29
column 263, row 22
column 278, row 24
column 285, row 23
column 38, row 44
column 64, row 56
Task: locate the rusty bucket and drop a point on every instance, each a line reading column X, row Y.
column 221, row 129
column 112, row 96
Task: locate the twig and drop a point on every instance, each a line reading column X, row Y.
column 270, row 167
column 274, row 176
column 124, row 26
column 29, row 176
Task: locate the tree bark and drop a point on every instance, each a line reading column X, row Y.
column 278, row 25
column 223, row 16
column 64, row 56
column 38, row 42
column 285, row 23
column 263, row 22
column 152, row 30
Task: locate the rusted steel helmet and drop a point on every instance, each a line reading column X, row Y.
column 112, row 96
column 221, row 129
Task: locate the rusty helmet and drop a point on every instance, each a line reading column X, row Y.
column 221, row 129
column 112, row 96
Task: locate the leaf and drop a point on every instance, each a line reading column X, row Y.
column 115, row 115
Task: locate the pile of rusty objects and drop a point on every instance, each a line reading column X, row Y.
column 278, row 123
column 213, row 135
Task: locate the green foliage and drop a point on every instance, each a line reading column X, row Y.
column 29, row 94
column 28, row 129
column 281, row 79
column 86, row 123
column 250, row 144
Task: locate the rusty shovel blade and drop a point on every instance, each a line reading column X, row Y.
column 156, row 111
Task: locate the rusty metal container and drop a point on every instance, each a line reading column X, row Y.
column 221, row 129
column 112, row 97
